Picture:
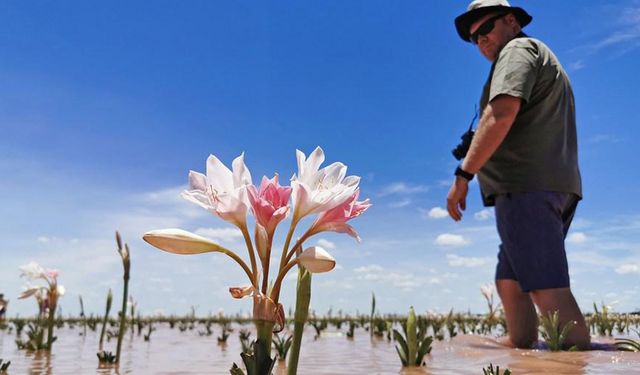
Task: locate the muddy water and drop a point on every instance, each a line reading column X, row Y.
column 173, row 352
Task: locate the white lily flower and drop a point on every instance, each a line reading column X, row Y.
column 487, row 291
column 316, row 260
column 32, row 271
column 317, row 190
column 180, row 241
column 221, row 191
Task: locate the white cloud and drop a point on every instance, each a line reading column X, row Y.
column 438, row 213
column 400, row 203
column 577, row 238
column 628, row 268
column 369, row 268
column 626, row 36
column 577, row 65
column 223, row 234
column 448, row 239
column 326, row 244
column 458, row 261
column 404, row 281
column 484, row 214
column 43, row 239
column 403, row 188
column 603, row 138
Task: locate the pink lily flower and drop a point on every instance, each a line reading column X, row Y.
column 270, row 203
column 335, row 219
column 221, row 191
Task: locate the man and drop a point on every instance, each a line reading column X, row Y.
column 525, row 155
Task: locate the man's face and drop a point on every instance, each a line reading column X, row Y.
column 492, row 42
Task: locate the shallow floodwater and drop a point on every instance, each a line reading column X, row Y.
column 173, row 352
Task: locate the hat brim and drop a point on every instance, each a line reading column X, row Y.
column 464, row 21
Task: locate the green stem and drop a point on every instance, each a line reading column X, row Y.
column 252, row 256
column 104, row 321
column 123, row 317
column 242, row 264
column 303, row 298
column 265, row 333
column 51, row 322
column 285, row 248
column 275, row 293
column 267, row 263
column 296, row 246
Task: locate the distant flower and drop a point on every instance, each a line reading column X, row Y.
column 32, row 271
column 487, row 291
column 38, row 291
column 46, row 296
column 240, row 292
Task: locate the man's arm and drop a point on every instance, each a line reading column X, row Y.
column 494, row 125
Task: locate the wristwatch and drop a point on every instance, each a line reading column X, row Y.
column 464, row 174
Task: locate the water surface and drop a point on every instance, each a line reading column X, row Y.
column 173, row 352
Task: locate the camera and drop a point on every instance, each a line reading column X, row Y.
column 461, row 149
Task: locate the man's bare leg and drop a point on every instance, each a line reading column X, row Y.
column 520, row 314
column 562, row 300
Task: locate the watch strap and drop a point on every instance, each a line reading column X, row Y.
column 464, row 174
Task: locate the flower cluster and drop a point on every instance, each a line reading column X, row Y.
column 46, row 295
column 231, row 195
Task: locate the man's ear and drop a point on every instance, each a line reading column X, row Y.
column 511, row 19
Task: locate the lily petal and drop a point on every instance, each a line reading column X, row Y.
column 317, row 260
column 180, row 241
column 32, row 271
column 197, row 181
column 219, row 177
column 239, row 292
column 31, row 291
column 241, row 174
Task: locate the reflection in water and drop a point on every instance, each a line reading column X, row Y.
column 40, row 363
column 174, row 352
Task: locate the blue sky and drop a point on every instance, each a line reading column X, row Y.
column 104, row 108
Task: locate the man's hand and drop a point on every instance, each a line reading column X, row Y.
column 457, row 198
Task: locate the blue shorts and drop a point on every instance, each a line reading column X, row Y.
column 532, row 227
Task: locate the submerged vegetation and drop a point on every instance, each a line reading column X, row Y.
column 4, row 366
column 553, row 334
column 491, row 371
column 415, row 344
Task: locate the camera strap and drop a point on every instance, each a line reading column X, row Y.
column 475, row 116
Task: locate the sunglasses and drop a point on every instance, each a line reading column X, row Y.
column 485, row 28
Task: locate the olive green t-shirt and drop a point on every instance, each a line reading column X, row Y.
column 540, row 152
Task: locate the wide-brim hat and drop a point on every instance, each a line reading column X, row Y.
column 480, row 8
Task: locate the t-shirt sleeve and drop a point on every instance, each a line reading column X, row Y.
column 515, row 70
